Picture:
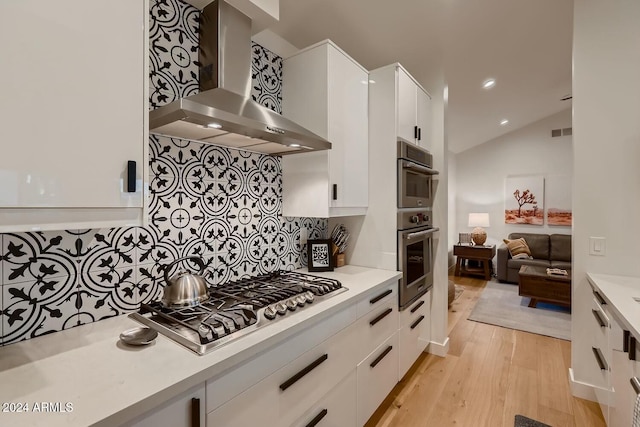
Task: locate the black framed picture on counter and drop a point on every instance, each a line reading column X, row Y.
column 319, row 257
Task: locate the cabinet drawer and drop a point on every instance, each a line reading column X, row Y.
column 336, row 409
column 376, row 326
column 377, row 298
column 377, row 375
column 303, row 382
column 600, row 325
column 415, row 310
column 412, row 343
column 223, row 388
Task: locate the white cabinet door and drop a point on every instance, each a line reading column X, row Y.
column 74, row 103
column 377, row 375
column 414, row 334
column 336, row 409
column 187, row 410
column 326, row 91
column 407, row 124
column 349, row 128
column 414, row 111
column 423, row 118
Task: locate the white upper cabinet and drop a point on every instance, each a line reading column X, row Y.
column 414, row 110
column 326, row 91
column 74, row 112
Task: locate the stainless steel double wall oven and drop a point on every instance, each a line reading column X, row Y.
column 415, row 226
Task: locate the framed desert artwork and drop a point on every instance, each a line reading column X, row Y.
column 558, row 199
column 524, row 200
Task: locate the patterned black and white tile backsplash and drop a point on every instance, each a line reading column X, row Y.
column 222, row 204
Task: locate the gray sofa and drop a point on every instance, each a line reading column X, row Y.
column 547, row 250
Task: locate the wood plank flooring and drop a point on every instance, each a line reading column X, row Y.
column 490, row 375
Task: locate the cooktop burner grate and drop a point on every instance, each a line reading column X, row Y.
column 237, row 308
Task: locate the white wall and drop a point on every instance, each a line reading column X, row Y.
column 480, row 173
column 606, row 126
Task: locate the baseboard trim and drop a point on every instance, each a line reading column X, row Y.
column 580, row 389
column 439, row 349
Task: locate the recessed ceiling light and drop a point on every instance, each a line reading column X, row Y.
column 504, row 122
column 294, row 145
column 215, row 125
column 489, row 83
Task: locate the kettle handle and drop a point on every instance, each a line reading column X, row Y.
column 197, row 259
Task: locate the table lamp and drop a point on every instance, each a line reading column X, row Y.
column 479, row 220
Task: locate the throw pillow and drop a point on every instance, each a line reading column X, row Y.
column 518, row 248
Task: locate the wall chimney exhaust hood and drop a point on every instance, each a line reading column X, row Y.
column 223, row 113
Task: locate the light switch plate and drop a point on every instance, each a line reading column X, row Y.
column 304, row 235
column 597, row 246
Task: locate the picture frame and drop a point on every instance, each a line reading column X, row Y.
column 464, row 239
column 319, row 255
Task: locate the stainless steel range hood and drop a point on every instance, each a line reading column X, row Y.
column 223, row 112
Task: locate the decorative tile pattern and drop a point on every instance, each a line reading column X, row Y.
column 266, row 73
column 222, row 204
column 173, row 40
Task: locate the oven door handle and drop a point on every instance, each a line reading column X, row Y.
column 418, row 168
column 411, row 236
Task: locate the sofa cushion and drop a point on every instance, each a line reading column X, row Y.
column 560, row 247
column 564, row 265
column 518, row 248
column 538, row 243
column 517, row 263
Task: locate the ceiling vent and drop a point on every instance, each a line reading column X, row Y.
column 561, row 132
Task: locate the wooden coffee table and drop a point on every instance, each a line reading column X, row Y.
column 536, row 284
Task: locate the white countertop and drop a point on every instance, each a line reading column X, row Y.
column 109, row 383
column 618, row 292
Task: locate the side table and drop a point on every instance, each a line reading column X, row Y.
column 482, row 254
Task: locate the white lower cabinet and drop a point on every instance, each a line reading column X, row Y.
column 332, row 374
column 377, row 375
column 336, row 409
column 186, row 410
column 625, row 368
column 414, row 334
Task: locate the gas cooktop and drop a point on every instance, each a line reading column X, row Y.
column 237, row 308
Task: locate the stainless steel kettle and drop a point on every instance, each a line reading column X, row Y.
column 185, row 289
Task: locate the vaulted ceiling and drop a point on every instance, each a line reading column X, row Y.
column 524, row 44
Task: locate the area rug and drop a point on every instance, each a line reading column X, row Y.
column 522, row 421
column 500, row 305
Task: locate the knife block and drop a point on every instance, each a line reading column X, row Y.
column 338, row 259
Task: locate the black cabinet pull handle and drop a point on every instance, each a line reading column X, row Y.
column 415, row 132
column 317, row 418
column 596, row 314
column 599, row 298
column 291, row 381
column 382, row 316
column 625, row 340
column 598, row 355
column 417, row 322
column 419, row 134
column 379, row 297
column 632, row 348
column 382, row 356
column 334, row 192
column 195, row 412
column 417, row 306
column 131, row 176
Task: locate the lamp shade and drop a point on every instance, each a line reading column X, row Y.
column 479, row 219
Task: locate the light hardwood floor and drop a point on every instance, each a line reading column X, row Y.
column 490, row 375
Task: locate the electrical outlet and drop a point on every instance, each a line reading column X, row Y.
column 597, row 246
column 304, row 235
